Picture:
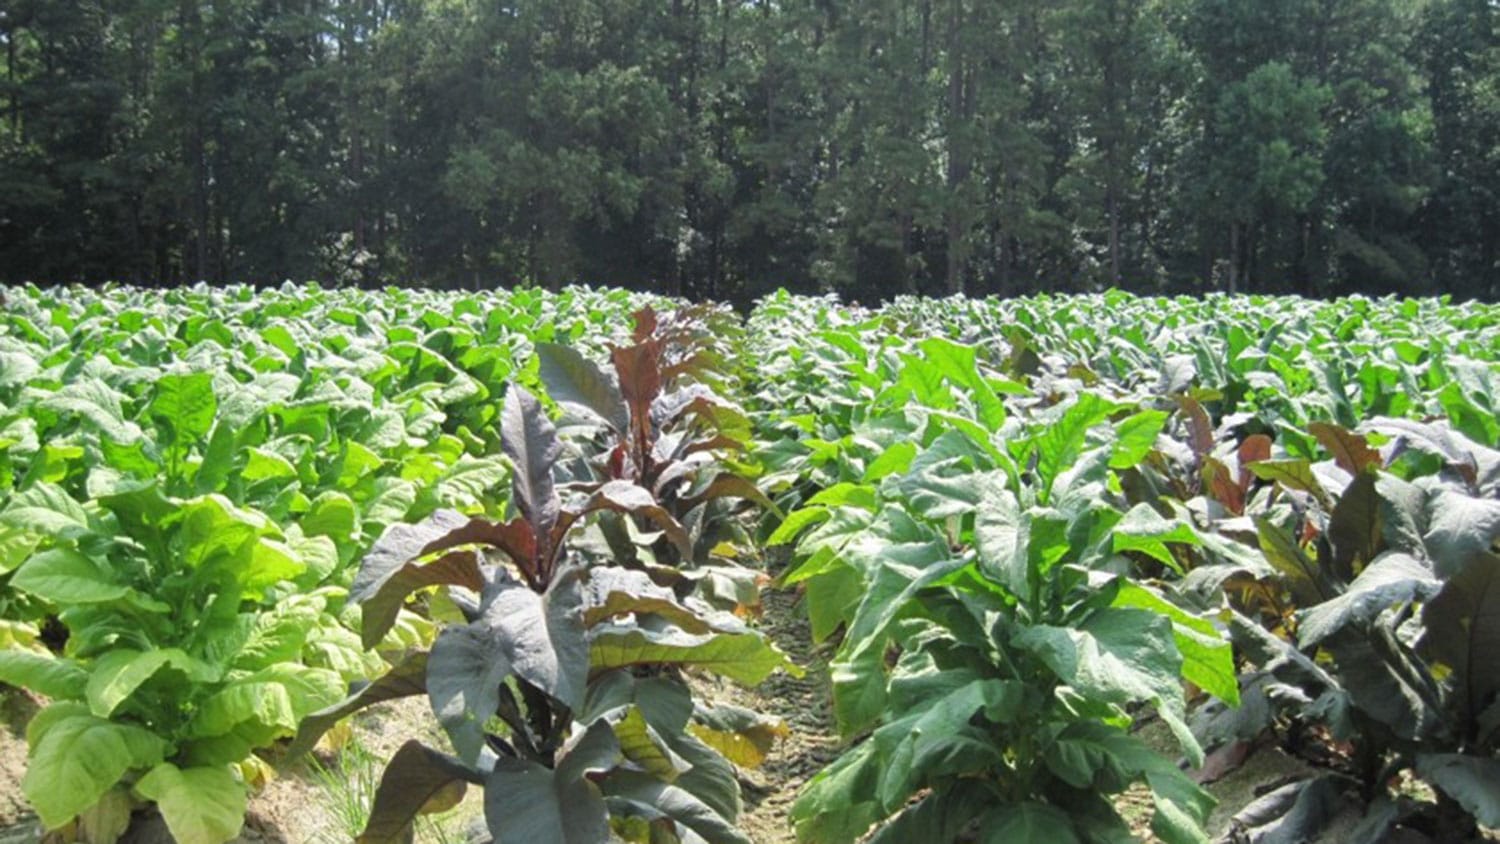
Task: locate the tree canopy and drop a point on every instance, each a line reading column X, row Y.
column 723, row 149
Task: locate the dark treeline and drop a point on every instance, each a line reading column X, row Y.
column 723, row 149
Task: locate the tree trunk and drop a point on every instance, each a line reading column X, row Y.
column 958, row 164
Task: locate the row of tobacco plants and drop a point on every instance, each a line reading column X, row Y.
column 1268, row 526
column 1024, row 526
column 558, row 673
column 203, row 495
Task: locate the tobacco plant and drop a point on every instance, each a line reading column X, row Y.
column 994, row 647
column 1377, row 663
column 184, row 634
column 562, row 687
column 655, row 420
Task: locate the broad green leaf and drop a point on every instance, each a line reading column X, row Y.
column 795, row 522
column 100, row 404
column 1207, row 655
column 116, row 675
column 746, row 658
column 59, row 678
column 46, row 509
column 201, row 805
column 75, row 758
column 263, row 465
column 16, row 544
column 185, row 404
column 1135, row 436
column 1119, row 655
column 1145, row 531
column 576, row 382
column 1027, row 821
column 1002, row 535
column 65, row 577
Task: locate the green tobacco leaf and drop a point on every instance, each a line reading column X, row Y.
column 746, row 658
column 212, row 526
column 100, row 404
column 200, row 805
column 832, row 598
column 64, row 576
column 1002, row 535
column 938, row 741
column 117, row 674
column 795, row 522
column 415, row 775
column 333, row 515
column 577, row 382
column 16, row 544
column 1393, row 579
column 894, row 460
column 1207, row 656
column 1145, row 531
column 1027, row 821
column 1062, row 442
column 1293, row 474
column 76, row 757
column 46, row 509
column 59, row 678
column 1118, row 655
column 524, row 801
column 941, row 816
column 1473, row 781
column 1135, row 436
column 185, row 404
column 959, row 364
column 406, row 679
column 838, row 804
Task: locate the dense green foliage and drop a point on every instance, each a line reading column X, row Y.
column 1021, row 528
column 1019, row 540
column 187, row 481
column 726, row 149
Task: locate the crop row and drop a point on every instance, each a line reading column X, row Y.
column 1022, row 526
column 1024, row 541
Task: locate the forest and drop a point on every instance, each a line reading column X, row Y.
column 725, row 149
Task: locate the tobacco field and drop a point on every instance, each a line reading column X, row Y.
column 1057, row 564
